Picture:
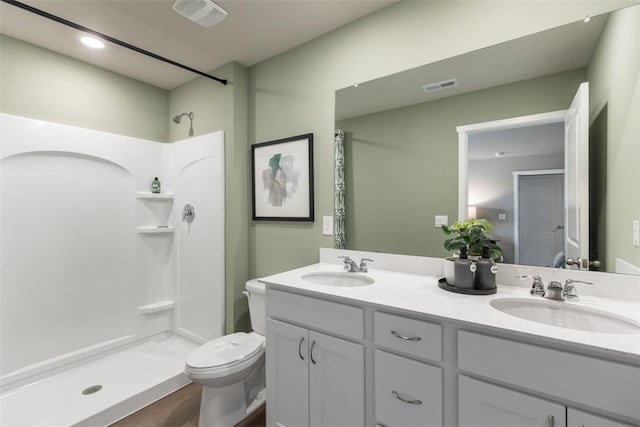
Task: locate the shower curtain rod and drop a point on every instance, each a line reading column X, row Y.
column 106, row 37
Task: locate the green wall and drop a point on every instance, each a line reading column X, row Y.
column 45, row 85
column 294, row 93
column 402, row 164
column 614, row 76
column 218, row 107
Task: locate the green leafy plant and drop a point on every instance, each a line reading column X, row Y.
column 471, row 234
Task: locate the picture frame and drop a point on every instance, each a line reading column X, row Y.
column 282, row 179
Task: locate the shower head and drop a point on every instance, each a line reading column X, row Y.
column 178, row 117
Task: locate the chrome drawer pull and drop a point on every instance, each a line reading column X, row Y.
column 300, row 348
column 397, row 335
column 412, row 402
column 551, row 420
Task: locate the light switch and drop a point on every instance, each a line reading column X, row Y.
column 327, row 225
column 441, row 220
column 636, row 233
column 502, row 216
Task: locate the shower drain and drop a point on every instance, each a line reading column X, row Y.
column 92, row 389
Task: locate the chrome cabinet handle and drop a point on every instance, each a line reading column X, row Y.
column 313, row 344
column 300, row 348
column 397, row 335
column 411, row 402
column 551, row 420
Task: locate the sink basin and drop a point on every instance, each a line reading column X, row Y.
column 566, row 315
column 339, row 279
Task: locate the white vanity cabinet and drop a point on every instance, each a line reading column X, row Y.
column 486, row 405
column 562, row 376
column 576, row 418
column 337, row 360
column 314, row 379
column 407, row 392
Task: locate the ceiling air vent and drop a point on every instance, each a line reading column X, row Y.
column 432, row 87
column 202, row 12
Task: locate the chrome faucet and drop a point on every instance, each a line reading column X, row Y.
column 352, row 267
column 537, row 287
column 554, row 291
column 570, row 293
column 363, row 265
column 349, row 264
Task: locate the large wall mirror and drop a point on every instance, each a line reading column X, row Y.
column 404, row 165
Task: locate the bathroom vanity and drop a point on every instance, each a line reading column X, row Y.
column 401, row 352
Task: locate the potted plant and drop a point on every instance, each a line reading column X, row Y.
column 470, row 236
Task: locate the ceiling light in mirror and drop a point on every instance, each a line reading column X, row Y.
column 92, row 42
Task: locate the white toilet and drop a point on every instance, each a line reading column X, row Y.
column 231, row 368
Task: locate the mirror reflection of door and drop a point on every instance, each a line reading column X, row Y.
column 494, row 157
column 577, row 180
column 540, row 218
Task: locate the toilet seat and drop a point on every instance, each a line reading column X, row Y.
column 225, row 356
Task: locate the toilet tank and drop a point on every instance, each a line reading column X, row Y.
column 255, row 295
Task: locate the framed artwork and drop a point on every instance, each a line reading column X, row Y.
column 282, row 179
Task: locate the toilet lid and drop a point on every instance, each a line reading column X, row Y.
column 226, row 350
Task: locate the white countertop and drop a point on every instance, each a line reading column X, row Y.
column 419, row 293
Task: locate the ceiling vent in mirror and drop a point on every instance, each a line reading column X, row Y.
column 202, row 12
column 432, row 87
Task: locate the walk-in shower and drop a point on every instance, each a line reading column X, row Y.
column 104, row 292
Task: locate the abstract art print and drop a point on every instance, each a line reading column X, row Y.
column 282, row 179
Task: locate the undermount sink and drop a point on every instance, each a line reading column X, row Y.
column 338, row 279
column 566, row 315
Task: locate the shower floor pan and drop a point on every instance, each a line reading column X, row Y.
column 114, row 387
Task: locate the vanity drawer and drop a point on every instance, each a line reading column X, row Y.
column 399, row 378
column 609, row 386
column 336, row 318
column 409, row 336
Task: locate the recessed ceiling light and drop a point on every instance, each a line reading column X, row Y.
column 92, row 42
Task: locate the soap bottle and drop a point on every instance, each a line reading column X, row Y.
column 464, row 270
column 155, row 185
column 486, row 269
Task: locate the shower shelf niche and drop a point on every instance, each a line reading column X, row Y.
column 156, row 307
column 154, row 196
column 155, row 230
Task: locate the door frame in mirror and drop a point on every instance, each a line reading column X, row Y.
column 464, row 131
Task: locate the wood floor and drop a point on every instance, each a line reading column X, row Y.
column 180, row 409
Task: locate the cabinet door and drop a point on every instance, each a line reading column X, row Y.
column 336, row 382
column 481, row 404
column 287, row 375
column 576, row 418
column 408, row 393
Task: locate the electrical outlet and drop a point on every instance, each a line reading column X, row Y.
column 636, row 233
column 327, row 226
column 441, row 220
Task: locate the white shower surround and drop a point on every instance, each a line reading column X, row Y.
column 78, row 277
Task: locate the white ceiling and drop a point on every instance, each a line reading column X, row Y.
column 526, row 141
column 552, row 51
column 253, row 31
